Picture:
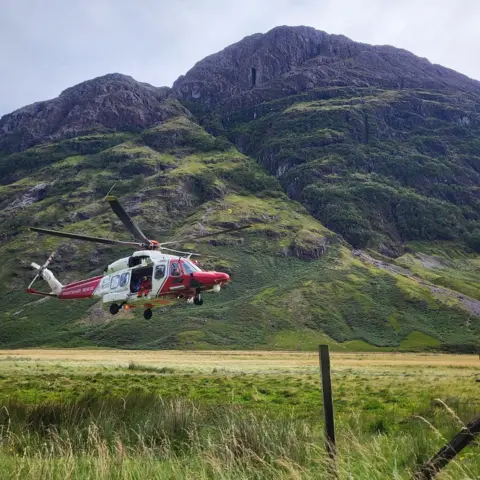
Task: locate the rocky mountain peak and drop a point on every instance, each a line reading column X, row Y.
column 110, row 102
column 288, row 60
column 112, row 83
column 250, row 63
column 260, row 68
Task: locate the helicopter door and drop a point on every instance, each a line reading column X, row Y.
column 160, row 274
column 176, row 281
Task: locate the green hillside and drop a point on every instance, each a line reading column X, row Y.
column 357, row 165
column 380, row 167
column 295, row 283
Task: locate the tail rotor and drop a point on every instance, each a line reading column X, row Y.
column 47, row 275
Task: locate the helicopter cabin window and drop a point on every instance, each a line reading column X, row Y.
column 175, row 270
column 124, row 278
column 135, row 261
column 114, row 281
column 159, row 272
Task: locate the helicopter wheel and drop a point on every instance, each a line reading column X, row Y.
column 147, row 314
column 114, row 308
column 198, row 300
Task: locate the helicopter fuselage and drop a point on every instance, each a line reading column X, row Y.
column 148, row 278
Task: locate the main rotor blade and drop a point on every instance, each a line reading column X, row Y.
column 126, row 220
column 196, row 237
column 183, row 253
column 87, row 238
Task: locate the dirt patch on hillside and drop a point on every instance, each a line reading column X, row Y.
column 467, row 303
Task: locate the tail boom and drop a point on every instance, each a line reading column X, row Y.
column 81, row 289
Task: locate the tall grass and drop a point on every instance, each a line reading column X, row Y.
column 144, row 436
column 148, row 368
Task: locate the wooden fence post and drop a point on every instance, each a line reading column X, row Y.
column 324, row 358
column 449, row 451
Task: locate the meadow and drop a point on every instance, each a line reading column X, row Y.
column 115, row 414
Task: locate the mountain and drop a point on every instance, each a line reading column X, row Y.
column 358, row 165
column 290, row 60
column 110, row 103
column 380, row 145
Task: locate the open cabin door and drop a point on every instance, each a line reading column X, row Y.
column 141, row 272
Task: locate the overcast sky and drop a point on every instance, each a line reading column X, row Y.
column 49, row 45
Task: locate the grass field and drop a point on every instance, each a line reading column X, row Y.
column 175, row 414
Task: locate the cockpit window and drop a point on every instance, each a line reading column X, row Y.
column 188, row 268
column 175, row 270
column 196, row 267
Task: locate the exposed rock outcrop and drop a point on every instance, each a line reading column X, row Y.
column 258, row 69
column 308, row 246
column 289, row 60
column 111, row 102
column 32, row 195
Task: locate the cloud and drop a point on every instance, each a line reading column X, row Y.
column 46, row 47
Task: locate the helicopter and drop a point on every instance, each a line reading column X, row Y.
column 148, row 278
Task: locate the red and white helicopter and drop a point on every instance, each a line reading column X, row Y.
column 147, row 278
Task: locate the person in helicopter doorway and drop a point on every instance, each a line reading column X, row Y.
column 145, row 287
column 136, row 286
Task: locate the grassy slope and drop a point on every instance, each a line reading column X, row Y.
column 175, row 178
column 98, row 419
column 444, row 264
column 377, row 166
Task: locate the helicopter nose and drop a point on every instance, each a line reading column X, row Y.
column 221, row 277
column 211, row 278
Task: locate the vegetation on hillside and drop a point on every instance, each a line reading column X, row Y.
column 294, row 280
column 376, row 166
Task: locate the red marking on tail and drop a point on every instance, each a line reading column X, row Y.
column 81, row 289
column 36, row 292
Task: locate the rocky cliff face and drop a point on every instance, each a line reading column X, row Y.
column 289, row 60
column 250, row 63
column 260, row 68
column 111, row 102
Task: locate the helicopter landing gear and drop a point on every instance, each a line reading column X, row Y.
column 147, row 314
column 114, row 308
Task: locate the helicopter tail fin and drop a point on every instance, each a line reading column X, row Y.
column 47, row 275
